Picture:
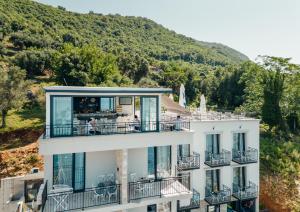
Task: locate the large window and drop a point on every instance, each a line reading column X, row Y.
column 213, row 180
column 159, row 161
column 183, row 150
column 239, row 141
column 239, row 176
column 69, row 169
column 149, row 113
column 61, row 118
column 107, row 104
column 213, row 143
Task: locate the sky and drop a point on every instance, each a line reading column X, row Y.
column 253, row 27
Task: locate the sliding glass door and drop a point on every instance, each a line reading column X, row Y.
column 212, row 180
column 163, row 160
column 159, row 161
column 213, row 143
column 183, row 150
column 239, row 176
column 61, row 116
column 149, row 113
column 239, row 142
column 69, row 169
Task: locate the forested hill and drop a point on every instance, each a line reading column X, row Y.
column 38, row 25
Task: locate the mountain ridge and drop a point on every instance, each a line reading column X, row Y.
column 112, row 33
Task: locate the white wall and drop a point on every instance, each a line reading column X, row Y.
column 99, row 163
column 138, row 162
column 225, row 128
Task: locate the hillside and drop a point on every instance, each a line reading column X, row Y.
column 41, row 26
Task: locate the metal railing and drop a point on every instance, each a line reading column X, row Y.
column 246, row 192
column 193, row 204
column 242, row 157
column 111, row 128
column 91, row 197
column 222, row 158
column 158, row 187
column 44, row 196
column 188, row 162
column 218, row 197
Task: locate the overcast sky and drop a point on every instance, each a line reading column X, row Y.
column 254, row 27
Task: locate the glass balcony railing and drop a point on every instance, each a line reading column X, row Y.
column 246, row 192
column 188, row 162
column 110, row 128
column 218, row 197
column 193, row 203
column 242, row 157
column 222, row 158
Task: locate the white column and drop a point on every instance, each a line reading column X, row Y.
column 122, row 163
column 174, row 206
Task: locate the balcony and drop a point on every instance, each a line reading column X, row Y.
column 193, row 203
column 112, row 128
column 188, row 162
column 243, row 157
column 217, row 159
column 244, row 193
column 91, row 197
column 165, row 187
column 218, row 197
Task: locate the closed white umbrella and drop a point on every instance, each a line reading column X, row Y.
column 202, row 104
column 182, row 101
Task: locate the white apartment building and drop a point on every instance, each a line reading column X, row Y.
column 122, row 149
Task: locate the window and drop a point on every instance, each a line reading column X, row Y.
column 125, row 100
column 107, row 104
column 61, row 116
column 239, row 141
column 239, row 176
column 213, row 143
column 69, row 169
column 151, row 208
column 149, row 113
column 159, row 161
column 183, row 150
column 212, row 180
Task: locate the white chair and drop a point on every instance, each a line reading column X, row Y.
column 98, row 195
column 112, row 192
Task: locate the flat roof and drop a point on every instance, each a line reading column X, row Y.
column 83, row 89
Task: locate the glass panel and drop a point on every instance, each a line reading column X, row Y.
column 212, row 180
column 163, row 160
column 213, row 143
column 236, row 175
column 151, row 208
column 107, row 104
column 62, row 169
column 149, row 113
column 151, row 161
column 239, row 141
column 209, row 180
column 183, row 150
column 61, row 115
column 79, row 171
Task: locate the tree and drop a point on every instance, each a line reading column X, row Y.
column 13, row 88
column 277, row 69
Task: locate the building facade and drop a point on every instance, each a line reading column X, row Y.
column 119, row 149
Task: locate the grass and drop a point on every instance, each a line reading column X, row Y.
column 29, row 118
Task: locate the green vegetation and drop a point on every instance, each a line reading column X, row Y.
column 13, row 88
column 52, row 46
